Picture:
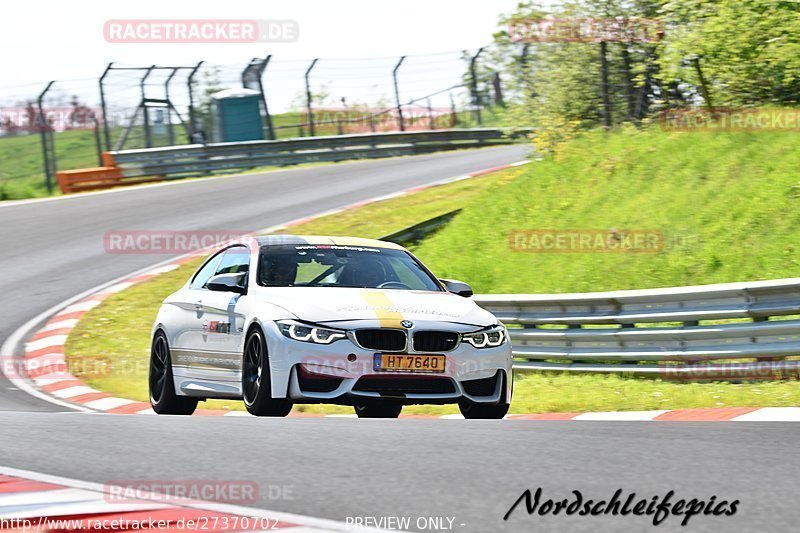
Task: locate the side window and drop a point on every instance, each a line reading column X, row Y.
column 234, row 261
column 209, row 269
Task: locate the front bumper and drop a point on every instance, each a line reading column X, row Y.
column 306, row 387
column 343, row 372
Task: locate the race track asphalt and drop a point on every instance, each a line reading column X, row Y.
column 470, row 470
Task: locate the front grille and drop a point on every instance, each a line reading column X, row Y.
column 481, row 387
column 386, row 340
column 405, row 385
column 435, row 341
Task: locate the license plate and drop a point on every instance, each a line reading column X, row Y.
column 386, row 362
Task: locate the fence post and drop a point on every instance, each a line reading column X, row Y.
column 252, row 75
column 192, row 116
column 98, row 142
column 397, row 94
column 308, row 98
column 148, row 141
column 267, row 116
column 103, row 106
column 476, row 97
column 48, row 151
column 604, row 84
column 170, row 132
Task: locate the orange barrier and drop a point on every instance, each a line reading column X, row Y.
column 105, row 177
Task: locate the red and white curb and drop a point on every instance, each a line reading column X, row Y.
column 41, row 502
column 45, row 367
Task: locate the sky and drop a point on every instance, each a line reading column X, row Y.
column 65, row 41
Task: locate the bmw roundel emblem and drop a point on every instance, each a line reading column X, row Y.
column 407, row 324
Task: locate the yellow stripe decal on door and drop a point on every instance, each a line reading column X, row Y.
column 382, row 306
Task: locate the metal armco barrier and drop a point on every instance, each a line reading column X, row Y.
column 152, row 164
column 678, row 328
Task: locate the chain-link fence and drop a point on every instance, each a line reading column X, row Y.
column 65, row 125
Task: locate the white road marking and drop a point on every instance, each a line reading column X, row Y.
column 65, row 502
column 771, row 414
column 119, row 287
column 154, row 499
column 87, row 305
column 161, row 270
column 619, row 415
column 47, row 342
column 61, row 324
column 104, row 404
column 73, row 391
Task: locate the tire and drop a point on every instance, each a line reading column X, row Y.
column 379, row 409
column 477, row 411
column 256, row 388
column 161, row 385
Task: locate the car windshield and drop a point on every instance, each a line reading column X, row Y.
column 342, row 266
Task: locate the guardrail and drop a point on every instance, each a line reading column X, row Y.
column 681, row 328
column 153, row 164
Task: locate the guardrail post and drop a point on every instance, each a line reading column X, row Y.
column 476, row 96
column 48, row 151
column 308, row 98
column 107, row 134
column 192, row 118
column 397, row 94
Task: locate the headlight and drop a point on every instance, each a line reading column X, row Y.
column 489, row 338
column 309, row 333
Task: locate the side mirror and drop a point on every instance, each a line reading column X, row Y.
column 228, row 283
column 457, row 287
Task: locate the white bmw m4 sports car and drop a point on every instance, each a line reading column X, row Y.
column 281, row 319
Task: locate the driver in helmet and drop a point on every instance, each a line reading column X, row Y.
column 369, row 272
column 280, row 269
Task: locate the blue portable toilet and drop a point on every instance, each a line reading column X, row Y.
column 237, row 115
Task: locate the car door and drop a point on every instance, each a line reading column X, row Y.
column 185, row 321
column 218, row 343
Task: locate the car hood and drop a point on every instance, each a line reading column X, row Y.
column 388, row 307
